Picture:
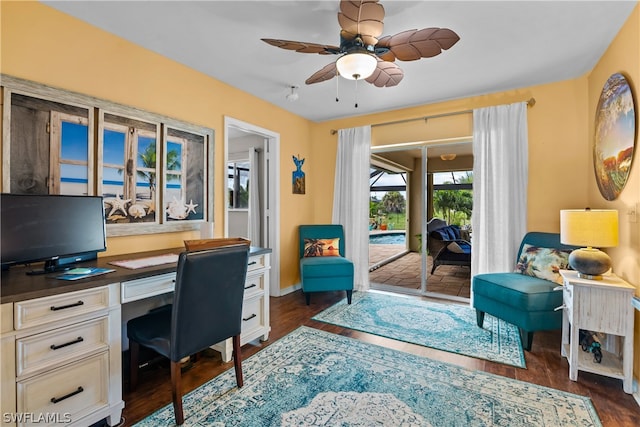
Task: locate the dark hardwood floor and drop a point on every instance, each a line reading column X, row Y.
column 545, row 366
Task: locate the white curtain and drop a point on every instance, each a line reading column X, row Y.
column 351, row 198
column 254, row 198
column 500, row 171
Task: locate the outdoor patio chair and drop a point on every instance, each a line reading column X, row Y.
column 446, row 244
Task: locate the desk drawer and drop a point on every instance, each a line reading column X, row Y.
column 253, row 286
column 134, row 290
column 41, row 311
column 567, row 298
column 75, row 390
column 256, row 262
column 252, row 315
column 37, row 352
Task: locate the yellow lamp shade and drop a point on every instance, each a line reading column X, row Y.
column 589, row 227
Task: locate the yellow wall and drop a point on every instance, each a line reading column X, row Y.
column 43, row 45
column 622, row 56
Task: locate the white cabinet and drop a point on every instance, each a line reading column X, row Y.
column 62, row 359
column 598, row 306
column 255, row 306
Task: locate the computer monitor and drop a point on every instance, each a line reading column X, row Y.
column 56, row 229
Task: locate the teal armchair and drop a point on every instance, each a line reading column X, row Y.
column 524, row 300
column 323, row 266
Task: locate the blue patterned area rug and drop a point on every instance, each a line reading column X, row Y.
column 315, row 378
column 446, row 327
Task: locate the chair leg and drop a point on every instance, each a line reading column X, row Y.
column 307, row 297
column 134, row 356
column 349, row 293
column 237, row 360
column 480, row 318
column 176, row 392
column 526, row 338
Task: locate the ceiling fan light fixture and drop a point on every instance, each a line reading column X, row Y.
column 356, row 65
column 449, row 156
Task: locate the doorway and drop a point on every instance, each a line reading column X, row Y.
column 252, row 189
column 411, row 273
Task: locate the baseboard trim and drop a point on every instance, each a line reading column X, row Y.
column 290, row 289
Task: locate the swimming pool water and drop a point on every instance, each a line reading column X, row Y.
column 387, row 239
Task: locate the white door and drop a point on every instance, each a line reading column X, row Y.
column 241, row 139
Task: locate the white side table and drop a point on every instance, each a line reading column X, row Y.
column 598, row 306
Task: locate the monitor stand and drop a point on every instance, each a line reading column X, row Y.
column 63, row 264
column 50, row 266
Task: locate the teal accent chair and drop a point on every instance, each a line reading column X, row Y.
column 525, row 301
column 324, row 273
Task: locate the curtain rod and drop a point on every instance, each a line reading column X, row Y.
column 530, row 103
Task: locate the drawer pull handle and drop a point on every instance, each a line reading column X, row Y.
column 249, row 318
column 66, row 396
column 562, row 307
column 62, row 307
column 253, row 285
column 76, row 341
column 253, row 263
column 558, row 288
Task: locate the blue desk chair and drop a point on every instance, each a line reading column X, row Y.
column 323, row 266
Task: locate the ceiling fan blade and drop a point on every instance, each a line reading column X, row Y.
column 362, row 17
column 303, row 47
column 328, row 72
column 386, row 74
column 415, row 44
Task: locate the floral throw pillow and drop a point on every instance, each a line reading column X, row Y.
column 544, row 263
column 321, row 247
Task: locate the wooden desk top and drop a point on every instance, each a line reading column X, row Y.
column 16, row 285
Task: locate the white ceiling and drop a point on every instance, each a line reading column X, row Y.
column 503, row 45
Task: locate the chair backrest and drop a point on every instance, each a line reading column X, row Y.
column 321, row 231
column 435, row 224
column 543, row 240
column 207, row 303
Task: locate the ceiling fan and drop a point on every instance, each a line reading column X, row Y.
column 365, row 56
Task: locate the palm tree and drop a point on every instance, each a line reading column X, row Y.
column 393, row 202
column 148, row 158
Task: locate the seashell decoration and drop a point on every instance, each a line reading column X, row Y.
column 137, row 211
column 178, row 210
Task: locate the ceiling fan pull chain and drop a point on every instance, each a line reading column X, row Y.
column 356, row 93
column 337, row 89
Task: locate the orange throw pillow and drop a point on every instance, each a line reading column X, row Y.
column 322, row 247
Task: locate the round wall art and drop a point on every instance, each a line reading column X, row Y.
column 615, row 136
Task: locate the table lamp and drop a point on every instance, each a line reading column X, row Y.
column 593, row 228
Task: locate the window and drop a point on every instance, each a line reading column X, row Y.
column 129, row 170
column 69, row 155
column 238, row 185
column 453, row 196
column 185, row 169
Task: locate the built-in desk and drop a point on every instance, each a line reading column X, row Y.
column 61, row 342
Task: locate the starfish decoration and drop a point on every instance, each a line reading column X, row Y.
column 191, row 207
column 117, row 204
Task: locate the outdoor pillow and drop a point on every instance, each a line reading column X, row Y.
column 455, row 248
column 543, row 263
column 321, row 247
